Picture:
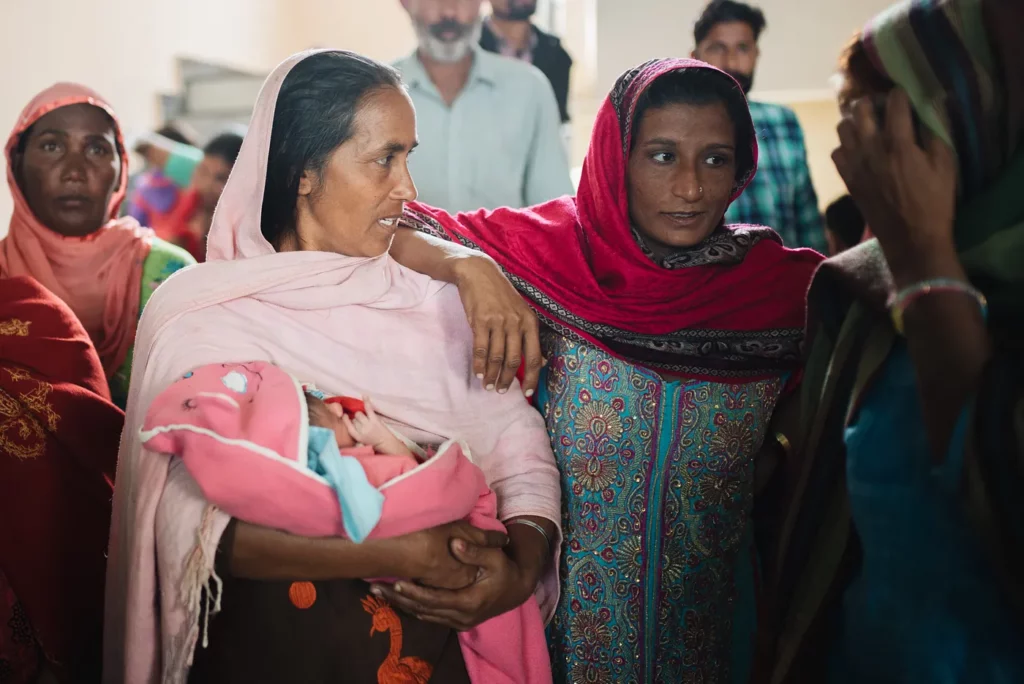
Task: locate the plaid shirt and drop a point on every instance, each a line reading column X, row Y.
column 781, row 195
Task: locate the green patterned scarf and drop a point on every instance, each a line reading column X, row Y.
column 962, row 65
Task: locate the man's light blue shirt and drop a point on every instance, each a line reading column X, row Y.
column 498, row 145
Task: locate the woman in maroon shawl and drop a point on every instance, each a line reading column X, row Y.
column 671, row 338
column 59, row 435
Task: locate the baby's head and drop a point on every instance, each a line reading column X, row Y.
column 322, row 414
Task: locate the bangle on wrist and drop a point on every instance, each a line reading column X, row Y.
column 910, row 294
column 533, row 525
column 784, row 444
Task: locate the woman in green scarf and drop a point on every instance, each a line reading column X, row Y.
column 901, row 560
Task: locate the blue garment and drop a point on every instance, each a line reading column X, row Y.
column 361, row 503
column 658, row 482
column 925, row 608
column 781, row 194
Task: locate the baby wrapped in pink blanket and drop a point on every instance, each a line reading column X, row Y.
column 245, row 435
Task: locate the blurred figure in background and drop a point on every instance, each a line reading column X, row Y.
column 179, row 206
column 152, row 186
column 67, row 170
column 188, row 222
column 488, row 126
column 781, row 195
column 844, row 225
column 509, row 32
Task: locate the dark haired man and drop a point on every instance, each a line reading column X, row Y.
column 509, row 32
column 781, row 195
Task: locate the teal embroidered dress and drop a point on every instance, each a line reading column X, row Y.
column 663, row 374
column 658, row 477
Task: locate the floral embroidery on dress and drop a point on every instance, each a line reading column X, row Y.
column 659, row 488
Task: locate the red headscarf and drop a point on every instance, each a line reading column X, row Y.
column 99, row 276
column 731, row 307
column 59, row 436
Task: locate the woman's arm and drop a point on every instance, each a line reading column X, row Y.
column 178, row 161
column 908, row 196
column 262, row 553
column 505, row 328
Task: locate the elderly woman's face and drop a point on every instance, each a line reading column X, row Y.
column 353, row 207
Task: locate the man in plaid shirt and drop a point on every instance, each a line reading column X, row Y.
column 781, row 195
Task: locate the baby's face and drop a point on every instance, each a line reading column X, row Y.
column 329, row 416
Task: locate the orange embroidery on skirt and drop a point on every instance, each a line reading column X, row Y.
column 302, row 594
column 395, row 669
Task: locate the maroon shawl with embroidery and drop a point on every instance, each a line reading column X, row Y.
column 59, row 435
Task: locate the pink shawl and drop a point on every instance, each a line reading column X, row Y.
column 353, row 326
column 99, row 276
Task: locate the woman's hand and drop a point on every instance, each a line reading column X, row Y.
column 906, row 192
column 426, row 555
column 505, row 328
column 501, row 586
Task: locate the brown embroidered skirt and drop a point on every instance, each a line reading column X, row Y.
column 318, row 633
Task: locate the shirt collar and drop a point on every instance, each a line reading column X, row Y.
column 416, row 75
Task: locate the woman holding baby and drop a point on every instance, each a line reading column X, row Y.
column 298, row 276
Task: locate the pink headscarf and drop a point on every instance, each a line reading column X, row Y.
column 353, row 326
column 99, row 276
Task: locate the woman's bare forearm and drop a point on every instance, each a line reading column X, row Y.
column 429, row 255
column 261, row 553
column 948, row 342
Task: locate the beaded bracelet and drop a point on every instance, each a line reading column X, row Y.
column 908, row 295
column 530, row 523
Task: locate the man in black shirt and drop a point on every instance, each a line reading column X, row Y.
column 509, row 32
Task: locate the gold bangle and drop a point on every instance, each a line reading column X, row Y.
column 784, row 442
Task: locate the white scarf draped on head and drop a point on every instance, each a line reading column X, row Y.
column 353, row 326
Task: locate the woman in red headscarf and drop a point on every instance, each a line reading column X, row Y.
column 671, row 339
column 68, row 171
column 59, row 435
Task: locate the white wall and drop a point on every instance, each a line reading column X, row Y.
column 375, row 28
column 126, row 50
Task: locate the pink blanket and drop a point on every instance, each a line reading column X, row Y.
column 358, row 327
column 242, row 430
